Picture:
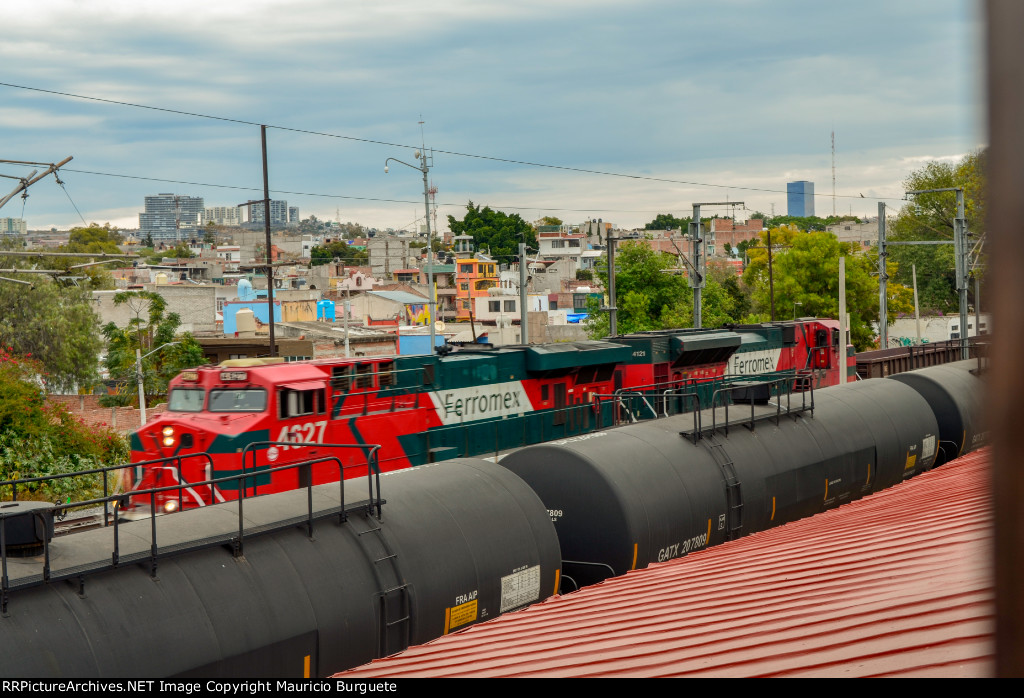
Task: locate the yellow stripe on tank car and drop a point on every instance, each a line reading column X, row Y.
column 707, row 540
column 447, row 620
column 869, row 475
column 305, row 667
column 557, row 575
column 826, row 491
column 634, row 557
column 773, row 510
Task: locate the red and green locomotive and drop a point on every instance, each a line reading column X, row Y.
column 247, row 416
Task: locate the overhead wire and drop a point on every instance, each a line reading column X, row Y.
column 340, row 196
column 492, row 158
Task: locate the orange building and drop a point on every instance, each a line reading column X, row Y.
column 472, row 279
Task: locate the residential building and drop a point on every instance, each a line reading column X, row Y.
column 472, row 277
column 278, row 213
column 223, row 215
column 387, row 255
column 800, row 198
column 13, row 226
column 864, row 234
column 727, row 230
column 562, row 245
column 170, row 217
column 293, row 215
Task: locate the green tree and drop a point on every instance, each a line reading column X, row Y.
column 930, row 217
column 495, row 231
column 549, row 220
column 666, row 221
column 150, row 328
column 38, row 438
column 341, row 250
column 54, row 323
column 650, row 297
column 181, row 251
column 94, row 238
column 805, row 268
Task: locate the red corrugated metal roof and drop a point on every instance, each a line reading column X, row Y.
column 896, row 584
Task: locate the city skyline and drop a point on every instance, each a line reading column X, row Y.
column 740, row 94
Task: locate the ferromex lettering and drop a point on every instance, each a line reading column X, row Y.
column 480, row 402
column 753, row 362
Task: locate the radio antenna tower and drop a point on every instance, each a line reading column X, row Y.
column 833, row 172
column 433, row 203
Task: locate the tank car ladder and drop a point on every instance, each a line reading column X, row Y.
column 393, row 593
column 733, row 492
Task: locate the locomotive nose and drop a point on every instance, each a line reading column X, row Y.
column 176, row 438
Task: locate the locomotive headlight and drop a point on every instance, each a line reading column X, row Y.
column 170, row 506
column 168, row 441
column 168, row 431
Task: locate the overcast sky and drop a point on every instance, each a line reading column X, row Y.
column 737, row 94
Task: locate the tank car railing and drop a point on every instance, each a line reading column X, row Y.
column 371, row 451
column 622, row 392
column 235, row 539
column 64, row 507
column 771, row 383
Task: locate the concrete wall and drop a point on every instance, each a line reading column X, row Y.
column 195, row 305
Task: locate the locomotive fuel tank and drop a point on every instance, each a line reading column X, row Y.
column 458, row 542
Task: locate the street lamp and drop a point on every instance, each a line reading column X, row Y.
column 431, row 304
column 138, row 376
column 794, row 308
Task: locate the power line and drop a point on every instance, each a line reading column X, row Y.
column 492, row 158
column 344, row 196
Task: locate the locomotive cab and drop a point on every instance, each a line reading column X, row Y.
column 210, row 410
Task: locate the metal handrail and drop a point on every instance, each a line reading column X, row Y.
column 375, row 502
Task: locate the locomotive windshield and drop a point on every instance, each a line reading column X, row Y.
column 238, row 400
column 186, row 400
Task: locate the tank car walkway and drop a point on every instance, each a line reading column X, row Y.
column 92, row 551
column 895, row 584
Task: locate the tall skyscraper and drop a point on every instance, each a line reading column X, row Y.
column 800, row 198
column 170, row 217
column 278, row 213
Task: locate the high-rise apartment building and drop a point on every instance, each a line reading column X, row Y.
column 223, row 215
column 170, row 217
column 13, row 226
column 800, row 198
column 293, row 215
column 278, row 213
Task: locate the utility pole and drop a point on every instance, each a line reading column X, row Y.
column 960, row 251
column 883, row 278
column 613, row 309
column 266, row 227
column 523, row 310
column 424, row 167
column 26, row 182
column 960, row 238
column 698, row 274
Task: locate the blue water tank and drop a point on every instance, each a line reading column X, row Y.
column 325, row 310
column 245, row 291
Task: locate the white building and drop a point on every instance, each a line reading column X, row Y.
column 170, row 217
column 13, row 226
column 223, row 215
